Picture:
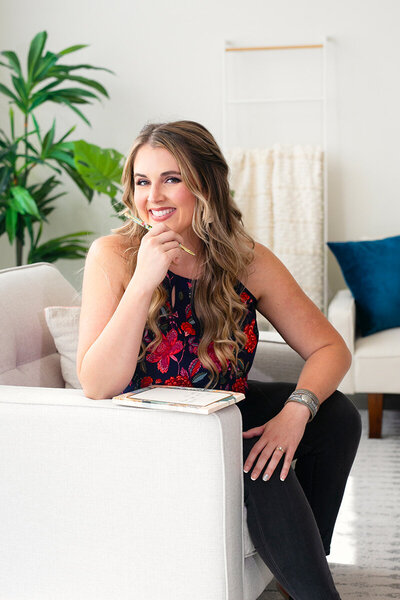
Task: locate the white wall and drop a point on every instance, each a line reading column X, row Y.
column 167, row 57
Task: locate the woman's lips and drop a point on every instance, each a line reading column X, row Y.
column 161, row 214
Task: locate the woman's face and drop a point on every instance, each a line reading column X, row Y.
column 160, row 194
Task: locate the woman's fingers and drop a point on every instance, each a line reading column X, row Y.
column 158, row 249
column 286, row 465
column 259, row 447
column 163, row 234
column 277, row 445
column 255, row 431
column 269, row 455
column 268, row 452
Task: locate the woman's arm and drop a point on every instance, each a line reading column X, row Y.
column 115, row 308
column 306, row 330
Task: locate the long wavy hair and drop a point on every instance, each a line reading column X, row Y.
column 226, row 249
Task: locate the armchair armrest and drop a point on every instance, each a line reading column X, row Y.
column 101, row 501
column 342, row 315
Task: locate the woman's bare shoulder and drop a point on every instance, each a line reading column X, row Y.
column 113, row 244
column 262, row 267
column 111, row 253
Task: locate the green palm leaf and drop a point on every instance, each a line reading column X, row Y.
column 43, row 67
column 72, row 49
column 35, row 52
column 23, row 202
column 13, row 61
column 24, row 206
column 66, row 246
column 76, row 177
column 4, row 89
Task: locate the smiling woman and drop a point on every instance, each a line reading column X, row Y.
column 152, row 313
column 160, row 194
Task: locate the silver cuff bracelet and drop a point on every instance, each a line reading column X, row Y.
column 307, row 398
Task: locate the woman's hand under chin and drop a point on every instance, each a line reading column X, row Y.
column 159, row 248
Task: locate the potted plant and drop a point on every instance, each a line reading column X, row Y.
column 24, row 203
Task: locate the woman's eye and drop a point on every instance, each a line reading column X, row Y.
column 173, row 180
column 141, row 182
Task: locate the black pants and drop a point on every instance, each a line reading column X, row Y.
column 291, row 522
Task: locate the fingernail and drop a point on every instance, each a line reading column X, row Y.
column 265, row 477
column 282, row 478
column 253, row 477
column 246, row 469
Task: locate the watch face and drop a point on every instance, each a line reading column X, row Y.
column 305, row 398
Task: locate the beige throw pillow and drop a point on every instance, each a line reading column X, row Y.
column 63, row 323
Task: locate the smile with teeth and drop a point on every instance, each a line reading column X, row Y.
column 161, row 213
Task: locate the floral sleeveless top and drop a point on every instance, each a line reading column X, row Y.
column 175, row 361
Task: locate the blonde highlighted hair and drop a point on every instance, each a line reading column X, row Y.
column 226, row 249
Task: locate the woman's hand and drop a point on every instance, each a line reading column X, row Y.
column 279, row 436
column 158, row 249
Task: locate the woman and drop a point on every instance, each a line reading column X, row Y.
column 154, row 313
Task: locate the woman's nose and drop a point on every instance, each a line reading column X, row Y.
column 155, row 193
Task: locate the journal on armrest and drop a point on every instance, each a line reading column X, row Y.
column 184, row 399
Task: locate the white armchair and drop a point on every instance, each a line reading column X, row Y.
column 375, row 369
column 103, row 502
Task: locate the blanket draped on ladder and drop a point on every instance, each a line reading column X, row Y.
column 279, row 191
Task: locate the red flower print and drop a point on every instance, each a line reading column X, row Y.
column 251, row 337
column 244, row 297
column 146, row 336
column 167, row 348
column 213, row 356
column 146, row 381
column 194, row 366
column 240, row 385
column 158, row 381
column 179, row 380
column 188, row 311
column 188, row 329
column 193, row 345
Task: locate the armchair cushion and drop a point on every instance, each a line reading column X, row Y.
column 63, row 323
column 371, row 270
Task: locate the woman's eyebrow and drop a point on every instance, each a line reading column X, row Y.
column 162, row 174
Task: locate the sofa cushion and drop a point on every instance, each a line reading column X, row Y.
column 371, row 270
column 63, row 323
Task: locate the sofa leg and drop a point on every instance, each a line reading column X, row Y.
column 375, row 410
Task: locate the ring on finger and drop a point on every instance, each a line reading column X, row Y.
column 280, row 449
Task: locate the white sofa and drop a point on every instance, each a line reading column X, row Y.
column 375, row 369
column 100, row 502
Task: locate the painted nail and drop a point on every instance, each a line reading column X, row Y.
column 246, row 469
column 282, row 478
column 265, row 477
column 253, row 477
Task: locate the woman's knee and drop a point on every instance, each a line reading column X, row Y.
column 344, row 418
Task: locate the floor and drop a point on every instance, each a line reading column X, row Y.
column 365, row 558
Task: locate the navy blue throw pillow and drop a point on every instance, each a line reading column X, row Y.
column 372, row 271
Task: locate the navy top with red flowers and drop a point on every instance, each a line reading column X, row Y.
column 175, row 360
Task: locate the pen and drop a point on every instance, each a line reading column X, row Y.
column 148, row 227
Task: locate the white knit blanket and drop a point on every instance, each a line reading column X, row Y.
column 280, row 193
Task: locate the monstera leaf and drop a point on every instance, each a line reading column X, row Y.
column 100, row 168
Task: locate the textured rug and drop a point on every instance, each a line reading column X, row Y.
column 365, row 557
